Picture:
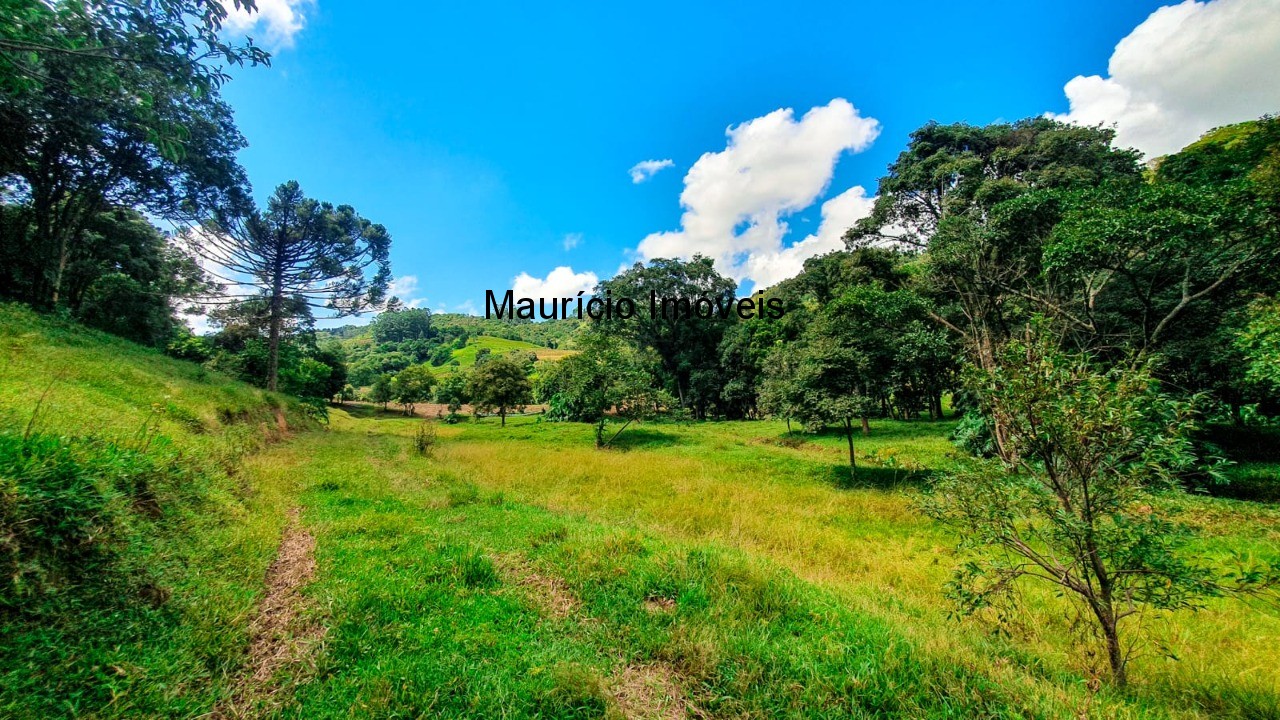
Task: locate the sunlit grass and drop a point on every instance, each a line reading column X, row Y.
column 791, row 589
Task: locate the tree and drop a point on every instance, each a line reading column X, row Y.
column 452, row 391
column 685, row 345
column 1095, row 449
column 394, row 326
column 112, row 103
column 500, row 384
column 122, row 275
column 301, row 248
column 959, row 194
column 605, row 376
column 382, row 392
column 346, row 394
column 413, row 385
column 1260, row 344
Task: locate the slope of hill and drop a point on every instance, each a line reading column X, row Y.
column 131, row 549
column 466, row 357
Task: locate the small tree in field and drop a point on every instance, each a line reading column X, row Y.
column 1080, row 510
column 412, row 385
column 607, row 375
column 500, row 384
column 452, row 391
column 382, row 392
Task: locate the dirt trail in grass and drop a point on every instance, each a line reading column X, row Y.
column 278, row 637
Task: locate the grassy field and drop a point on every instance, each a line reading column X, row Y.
column 695, row 570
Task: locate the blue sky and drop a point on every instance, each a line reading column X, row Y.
column 496, row 139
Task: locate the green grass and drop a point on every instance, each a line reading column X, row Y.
column 204, row 546
column 520, row 572
column 466, row 357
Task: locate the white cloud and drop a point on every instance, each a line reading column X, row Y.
column 561, row 282
column 467, row 307
column 646, row 169
column 405, row 287
column 838, row 215
column 1186, row 69
column 277, row 20
column 572, row 240
column 773, row 166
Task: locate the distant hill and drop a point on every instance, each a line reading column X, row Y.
column 446, row 341
column 547, row 334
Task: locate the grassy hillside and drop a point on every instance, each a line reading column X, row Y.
column 131, row 461
column 466, row 357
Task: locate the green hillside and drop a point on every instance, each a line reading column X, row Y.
column 132, row 549
column 466, row 357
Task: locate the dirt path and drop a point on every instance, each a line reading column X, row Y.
column 278, row 637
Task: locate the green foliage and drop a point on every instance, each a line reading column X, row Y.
column 1260, row 343
column 606, row 375
column 685, row 346
column 383, row 391
column 500, row 385
column 973, row 435
column 453, row 393
column 110, row 104
column 401, row 325
column 1094, row 449
column 412, row 386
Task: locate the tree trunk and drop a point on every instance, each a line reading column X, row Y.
column 273, row 345
column 63, row 252
column 275, row 322
column 1115, row 653
column 848, row 435
column 502, row 413
column 866, row 426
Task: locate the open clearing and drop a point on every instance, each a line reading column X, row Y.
column 728, row 574
column 695, row 570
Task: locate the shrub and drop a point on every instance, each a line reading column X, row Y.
column 425, row 439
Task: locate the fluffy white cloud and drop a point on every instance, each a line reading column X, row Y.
column 838, row 214
column 572, row 240
column 1186, row 69
column 561, row 282
column 646, row 169
column 735, row 200
column 278, row 20
column 405, row 287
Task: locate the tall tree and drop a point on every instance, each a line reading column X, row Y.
column 325, row 256
column 957, row 194
column 112, row 103
column 685, row 344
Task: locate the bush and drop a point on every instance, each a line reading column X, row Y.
column 973, row 435
column 425, row 440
